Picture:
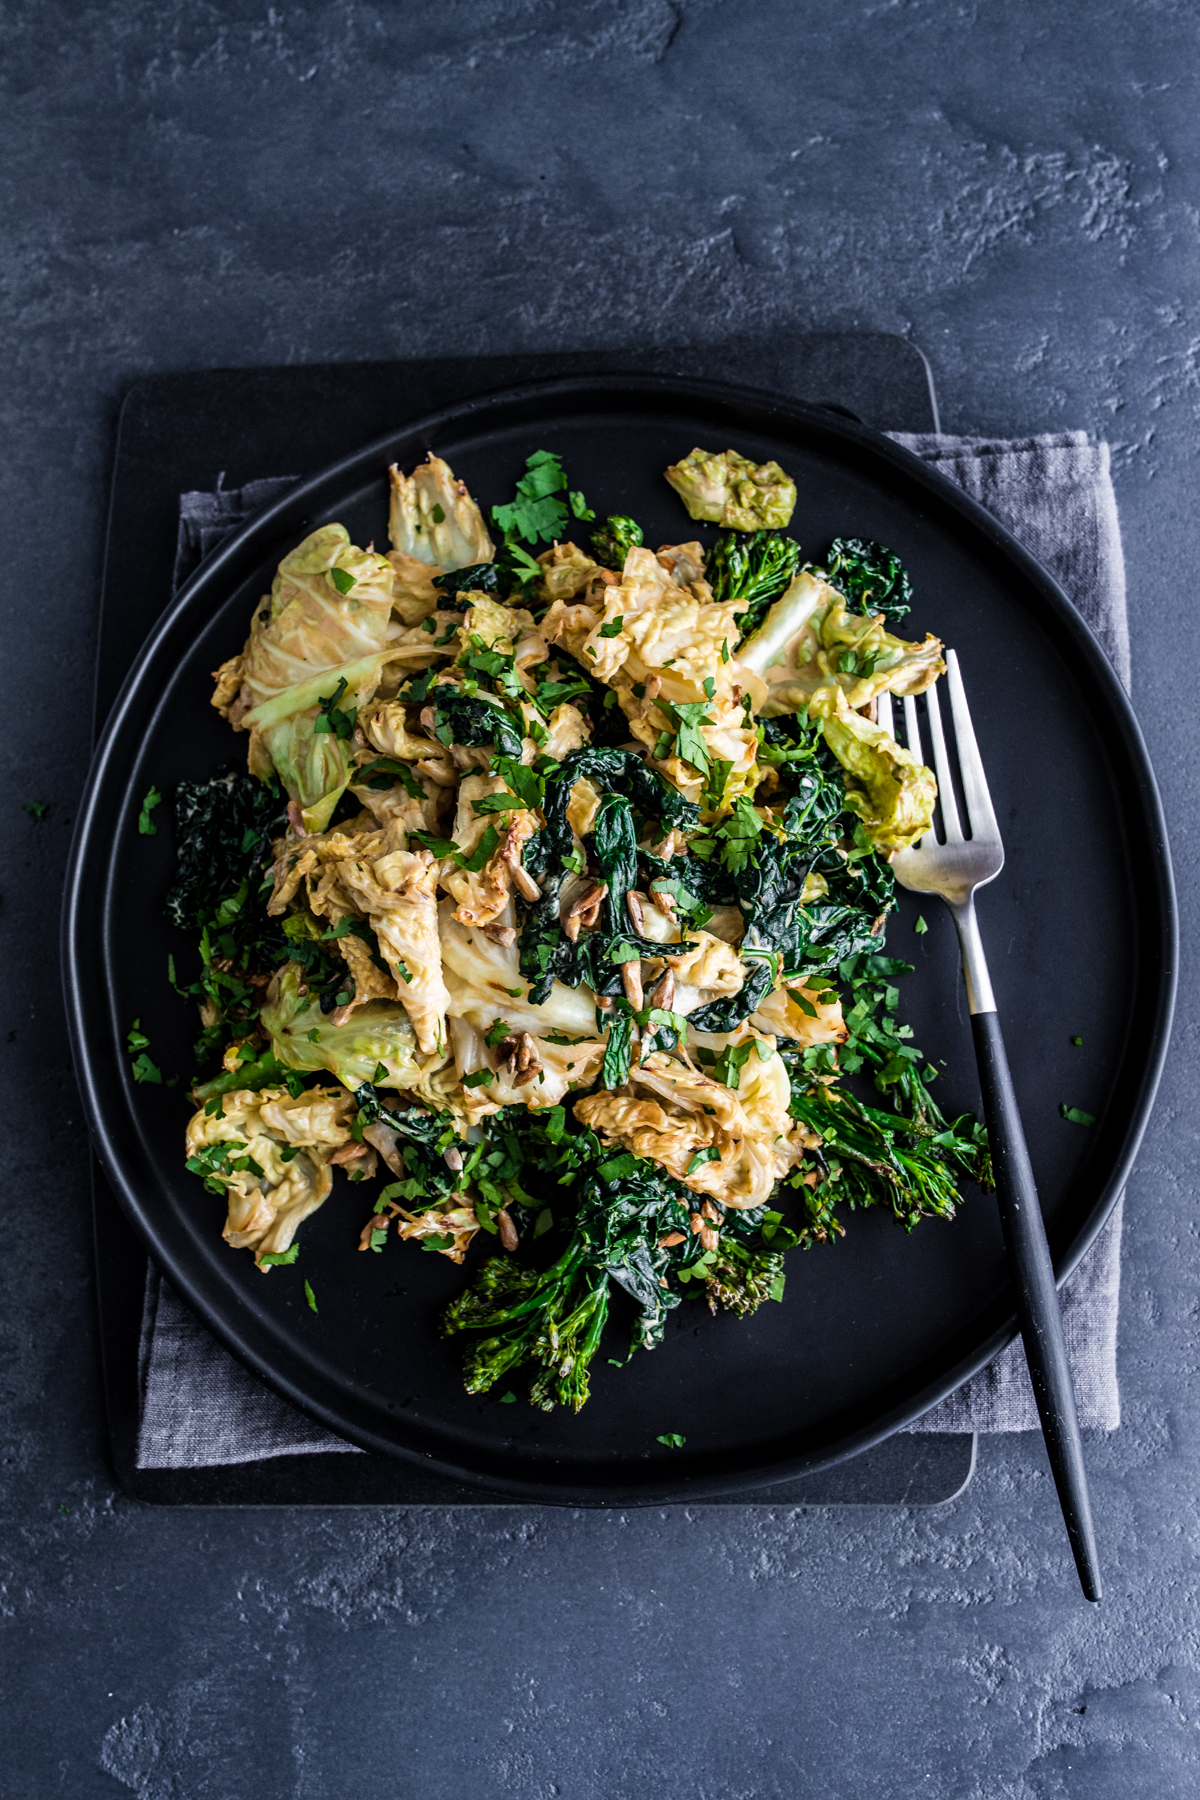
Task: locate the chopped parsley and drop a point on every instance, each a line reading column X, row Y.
column 730, row 1063
column 689, row 741
column 712, row 1154
column 138, row 1044
column 539, row 513
column 481, row 854
column 279, row 1259
column 331, row 721
column 146, row 824
column 1076, row 1115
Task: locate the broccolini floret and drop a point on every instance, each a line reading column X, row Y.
column 754, row 566
column 612, row 541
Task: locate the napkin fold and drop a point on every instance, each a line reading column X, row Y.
column 201, row 1407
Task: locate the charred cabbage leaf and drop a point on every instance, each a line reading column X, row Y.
column 269, row 1153
column 813, row 653
column 316, row 648
column 377, row 1036
column 727, row 489
column 892, row 793
column 434, row 519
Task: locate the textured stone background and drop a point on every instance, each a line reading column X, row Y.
column 1016, row 185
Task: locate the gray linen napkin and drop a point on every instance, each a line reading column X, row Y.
column 200, row 1407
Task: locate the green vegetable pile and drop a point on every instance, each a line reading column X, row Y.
column 788, row 865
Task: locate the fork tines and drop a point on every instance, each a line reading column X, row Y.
column 981, row 816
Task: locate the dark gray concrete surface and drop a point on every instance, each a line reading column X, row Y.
column 1018, row 187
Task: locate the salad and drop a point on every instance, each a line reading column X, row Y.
column 549, row 909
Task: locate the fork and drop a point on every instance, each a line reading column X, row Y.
column 953, row 870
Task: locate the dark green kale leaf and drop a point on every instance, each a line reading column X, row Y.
column 872, row 578
column 617, row 1052
column 224, row 828
column 546, row 953
column 754, row 566
column 223, row 832
column 727, row 1015
column 474, row 721
column 786, row 743
column 612, row 541
column 705, row 883
column 859, row 888
column 819, row 933
column 651, row 794
column 479, row 578
column 426, row 1139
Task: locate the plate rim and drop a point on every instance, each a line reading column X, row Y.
column 605, row 388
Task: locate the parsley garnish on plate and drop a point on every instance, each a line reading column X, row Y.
column 137, row 1043
column 539, row 513
column 146, row 825
column 331, row 721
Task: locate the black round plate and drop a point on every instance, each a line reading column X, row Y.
column 1080, row 930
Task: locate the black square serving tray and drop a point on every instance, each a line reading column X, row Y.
column 202, row 429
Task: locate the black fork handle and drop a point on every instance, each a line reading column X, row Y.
column 1037, row 1296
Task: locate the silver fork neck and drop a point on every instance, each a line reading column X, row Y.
column 980, row 998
